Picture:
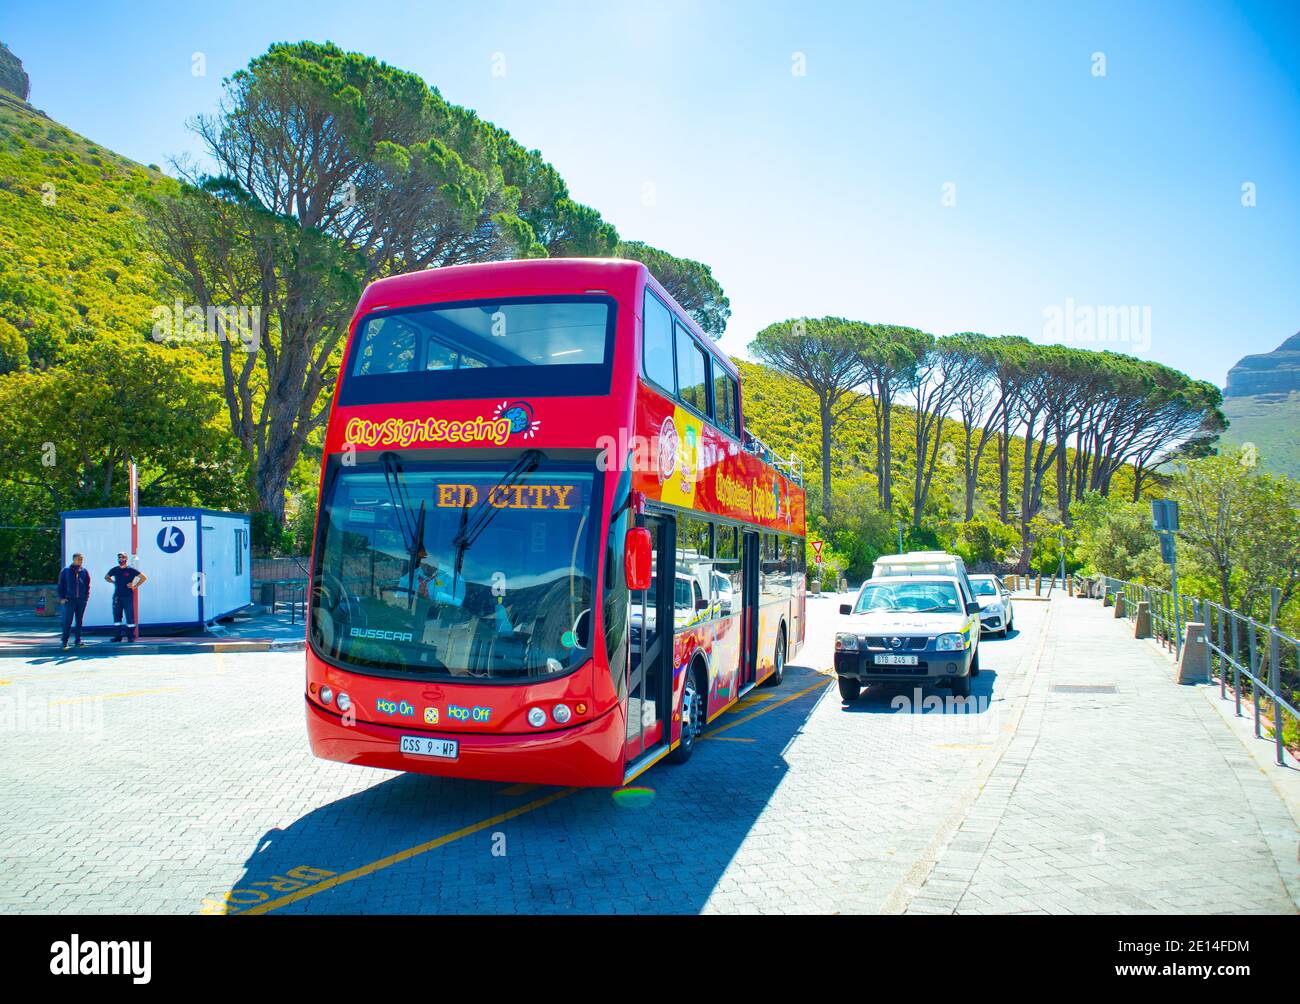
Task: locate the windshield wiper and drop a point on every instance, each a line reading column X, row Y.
column 473, row 523
column 412, row 528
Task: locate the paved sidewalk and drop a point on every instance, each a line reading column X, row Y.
column 1115, row 790
column 255, row 631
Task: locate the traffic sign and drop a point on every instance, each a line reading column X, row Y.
column 1164, row 515
column 817, row 549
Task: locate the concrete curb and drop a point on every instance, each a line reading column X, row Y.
column 207, row 646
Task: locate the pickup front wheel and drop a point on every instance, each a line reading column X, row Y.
column 850, row 690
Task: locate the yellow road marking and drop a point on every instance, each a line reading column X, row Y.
column 406, row 855
column 424, row 848
column 124, row 693
column 519, row 789
column 733, row 739
column 713, row 734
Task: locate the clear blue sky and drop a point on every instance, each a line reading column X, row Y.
column 821, row 194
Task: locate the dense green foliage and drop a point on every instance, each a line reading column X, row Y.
column 93, row 247
column 73, row 261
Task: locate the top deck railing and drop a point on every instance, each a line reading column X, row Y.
column 1263, row 660
column 791, row 466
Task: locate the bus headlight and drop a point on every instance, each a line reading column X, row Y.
column 536, row 717
column 561, row 713
column 326, row 695
column 846, row 642
column 344, row 702
column 950, row 643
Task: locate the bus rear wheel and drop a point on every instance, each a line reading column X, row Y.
column 692, row 716
column 778, row 662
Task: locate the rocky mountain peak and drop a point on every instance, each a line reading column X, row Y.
column 1276, row 372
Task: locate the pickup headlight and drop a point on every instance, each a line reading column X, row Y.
column 846, row 642
column 950, row 642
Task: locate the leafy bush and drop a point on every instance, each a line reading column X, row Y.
column 985, row 541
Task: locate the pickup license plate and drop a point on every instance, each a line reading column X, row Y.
column 895, row 660
column 444, row 749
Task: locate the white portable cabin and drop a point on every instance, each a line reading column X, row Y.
column 198, row 562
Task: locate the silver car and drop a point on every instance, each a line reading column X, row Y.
column 994, row 598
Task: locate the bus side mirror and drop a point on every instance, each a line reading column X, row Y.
column 636, row 558
column 846, row 608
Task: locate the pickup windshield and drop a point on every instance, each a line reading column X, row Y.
column 909, row 596
column 493, row 582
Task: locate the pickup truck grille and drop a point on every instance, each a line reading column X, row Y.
column 885, row 644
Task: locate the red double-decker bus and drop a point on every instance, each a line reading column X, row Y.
column 546, row 549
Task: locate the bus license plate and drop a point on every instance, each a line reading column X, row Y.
column 895, row 660
column 445, row 749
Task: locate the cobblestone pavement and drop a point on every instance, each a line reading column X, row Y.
column 183, row 783
column 1116, row 791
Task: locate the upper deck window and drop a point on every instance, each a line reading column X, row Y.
column 692, row 372
column 657, row 349
column 482, row 348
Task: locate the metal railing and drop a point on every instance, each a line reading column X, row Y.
column 791, row 466
column 291, row 593
column 1263, row 660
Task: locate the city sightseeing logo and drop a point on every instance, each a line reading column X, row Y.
column 506, row 421
column 669, row 448
column 520, row 416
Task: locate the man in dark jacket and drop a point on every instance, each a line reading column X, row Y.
column 74, row 591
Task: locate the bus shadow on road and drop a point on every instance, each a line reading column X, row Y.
column 417, row 844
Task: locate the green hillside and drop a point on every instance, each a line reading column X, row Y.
column 1272, row 423
column 73, row 262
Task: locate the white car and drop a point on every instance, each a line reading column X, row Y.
column 903, row 629
column 994, row 598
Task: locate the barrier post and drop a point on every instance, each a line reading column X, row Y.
column 1142, row 620
column 1193, row 664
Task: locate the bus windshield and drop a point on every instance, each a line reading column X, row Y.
column 482, row 334
column 476, row 571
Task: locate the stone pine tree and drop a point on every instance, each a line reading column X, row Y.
column 889, row 356
column 690, row 282
column 397, row 179
column 826, row 356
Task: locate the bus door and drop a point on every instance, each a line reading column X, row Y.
column 649, row 664
column 749, row 604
